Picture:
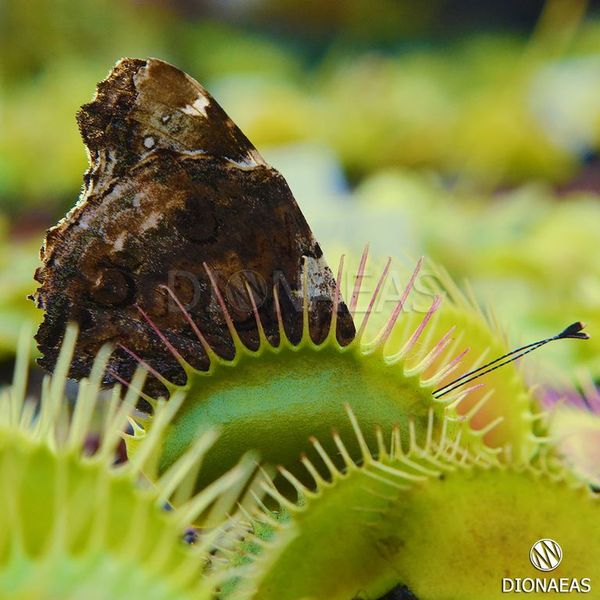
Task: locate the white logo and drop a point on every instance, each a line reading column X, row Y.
column 545, row 555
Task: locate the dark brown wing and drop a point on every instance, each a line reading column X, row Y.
column 173, row 184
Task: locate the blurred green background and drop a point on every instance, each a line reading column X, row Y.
column 463, row 130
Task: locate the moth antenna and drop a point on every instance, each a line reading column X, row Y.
column 205, row 345
column 573, row 331
column 448, row 368
column 259, row 326
column 164, row 339
column 146, row 366
column 380, row 283
column 386, row 331
column 336, row 298
column 358, row 281
column 228, row 320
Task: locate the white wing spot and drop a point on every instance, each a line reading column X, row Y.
column 149, row 142
column 151, row 222
column 243, row 163
column 251, row 160
column 318, row 279
column 165, row 118
column 198, row 108
column 120, row 242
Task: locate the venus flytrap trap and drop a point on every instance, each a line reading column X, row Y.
column 74, row 523
column 273, row 398
column 436, row 517
column 503, row 410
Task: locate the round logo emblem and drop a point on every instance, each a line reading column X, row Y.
column 545, row 555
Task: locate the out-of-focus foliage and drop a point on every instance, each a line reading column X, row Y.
column 460, row 141
column 18, row 260
column 493, row 107
column 53, row 53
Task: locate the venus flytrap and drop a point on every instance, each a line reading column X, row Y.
column 503, row 409
column 74, row 523
column 441, row 519
column 274, row 398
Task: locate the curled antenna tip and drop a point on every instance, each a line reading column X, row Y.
column 574, row 331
